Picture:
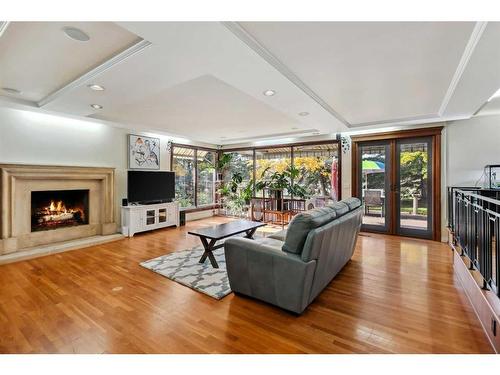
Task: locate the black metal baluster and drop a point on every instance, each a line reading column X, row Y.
column 496, row 281
column 487, row 250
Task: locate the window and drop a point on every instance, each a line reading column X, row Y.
column 206, row 177
column 194, row 176
column 318, row 166
column 183, row 165
column 270, row 160
column 241, row 165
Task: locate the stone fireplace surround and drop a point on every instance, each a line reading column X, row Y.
column 18, row 181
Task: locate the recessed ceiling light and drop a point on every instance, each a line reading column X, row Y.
column 10, row 90
column 96, row 106
column 303, row 113
column 269, row 92
column 95, row 87
column 75, row 34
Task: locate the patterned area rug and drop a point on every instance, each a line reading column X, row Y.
column 183, row 267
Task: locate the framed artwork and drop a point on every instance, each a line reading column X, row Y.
column 143, row 152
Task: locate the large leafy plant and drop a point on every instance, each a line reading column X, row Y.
column 278, row 181
column 223, row 162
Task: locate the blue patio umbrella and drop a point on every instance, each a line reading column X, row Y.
column 371, row 166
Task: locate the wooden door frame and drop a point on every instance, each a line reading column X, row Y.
column 435, row 134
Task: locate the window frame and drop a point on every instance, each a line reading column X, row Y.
column 196, row 207
column 292, row 146
column 219, row 151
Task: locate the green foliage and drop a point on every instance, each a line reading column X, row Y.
column 413, row 173
column 223, row 162
column 282, row 181
column 314, row 175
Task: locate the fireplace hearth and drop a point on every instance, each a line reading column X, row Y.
column 55, row 209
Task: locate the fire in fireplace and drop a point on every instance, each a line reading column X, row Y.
column 59, row 208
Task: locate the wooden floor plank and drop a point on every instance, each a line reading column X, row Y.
column 397, row 295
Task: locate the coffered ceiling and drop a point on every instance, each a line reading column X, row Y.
column 205, row 80
column 37, row 58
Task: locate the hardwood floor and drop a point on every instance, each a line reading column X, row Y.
column 397, row 295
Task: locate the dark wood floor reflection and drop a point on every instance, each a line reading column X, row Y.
column 397, row 295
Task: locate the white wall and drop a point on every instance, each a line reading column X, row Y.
column 471, row 144
column 38, row 138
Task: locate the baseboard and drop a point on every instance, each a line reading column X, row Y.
column 40, row 251
column 485, row 303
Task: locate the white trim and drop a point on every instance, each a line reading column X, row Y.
column 297, row 133
column 14, row 101
column 117, row 59
column 476, row 34
column 3, row 27
column 251, row 42
column 398, row 120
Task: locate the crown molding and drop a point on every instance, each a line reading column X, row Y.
column 3, row 27
column 91, row 74
column 297, row 133
column 474, row 38
column 254, row 44
column 12, row 102
column 402, row 120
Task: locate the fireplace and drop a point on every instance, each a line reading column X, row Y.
column 53, row 209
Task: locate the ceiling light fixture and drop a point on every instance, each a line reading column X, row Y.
column 10, row 90
column 75, row 34
column 96, row 106
column 269, row 92
column 95, row 87
column 303, row 114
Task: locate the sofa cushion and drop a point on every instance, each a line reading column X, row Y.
column 352, row 203
column 301, row 224
column 268, row 241
column 340, row 208
column 279, row 235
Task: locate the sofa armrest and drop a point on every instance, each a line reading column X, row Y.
column 268, row 273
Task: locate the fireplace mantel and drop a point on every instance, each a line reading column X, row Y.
column 18, row 181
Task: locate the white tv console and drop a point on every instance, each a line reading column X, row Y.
column 141, row 218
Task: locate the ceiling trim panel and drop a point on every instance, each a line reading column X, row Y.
column 398, row 120
column 476, row 34
column 251, row 42
column 91, row 74
column 3, row 27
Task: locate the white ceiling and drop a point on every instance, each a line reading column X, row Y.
column 37, row 58
column 240, row 116
column 205, row 80
column 368, row 71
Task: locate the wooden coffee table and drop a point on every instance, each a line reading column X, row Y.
column 210, row 235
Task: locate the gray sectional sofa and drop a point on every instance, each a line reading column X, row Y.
column 290, row 268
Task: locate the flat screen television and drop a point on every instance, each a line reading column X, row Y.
column 150, row 187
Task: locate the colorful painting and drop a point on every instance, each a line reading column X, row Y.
column 143, row 152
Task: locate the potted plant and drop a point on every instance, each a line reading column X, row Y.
column 280, row 181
